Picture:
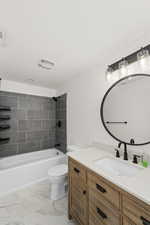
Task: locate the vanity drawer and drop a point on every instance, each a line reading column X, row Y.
column 93, row 220
column 77, row 171
column 135, row 212
column 127, row 222
column 102, row 212
column 103, row 189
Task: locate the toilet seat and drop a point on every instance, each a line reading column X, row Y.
column 58, row 171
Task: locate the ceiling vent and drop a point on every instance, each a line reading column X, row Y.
column 2, row 38
column 46, row 64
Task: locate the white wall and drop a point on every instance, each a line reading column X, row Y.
column 12, row 86
column 85, row 94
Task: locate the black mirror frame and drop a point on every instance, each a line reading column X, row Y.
column 102, row 105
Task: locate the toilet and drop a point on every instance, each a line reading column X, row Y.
column 58, row 177
column 58, row 180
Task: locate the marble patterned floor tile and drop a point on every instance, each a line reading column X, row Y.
column 32, row 206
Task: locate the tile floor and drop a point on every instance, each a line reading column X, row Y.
column 32, row 206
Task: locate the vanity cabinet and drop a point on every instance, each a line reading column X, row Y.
column 93, row 200
column 77, row 193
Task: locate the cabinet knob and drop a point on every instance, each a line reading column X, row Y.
column 84, row 192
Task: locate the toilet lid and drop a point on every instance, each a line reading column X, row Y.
column 58, row 170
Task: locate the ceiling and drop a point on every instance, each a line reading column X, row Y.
column 76, row 35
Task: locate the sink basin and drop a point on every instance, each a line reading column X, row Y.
column 118, row 167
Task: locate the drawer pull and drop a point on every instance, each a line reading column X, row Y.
column 101, row 213
column 145, row 222
column 100, row 188
column 84, row 192
column 76, row 170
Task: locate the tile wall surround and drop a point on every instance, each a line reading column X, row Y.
column 33, row 123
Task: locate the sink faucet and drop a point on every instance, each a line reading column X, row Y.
column 125, row 150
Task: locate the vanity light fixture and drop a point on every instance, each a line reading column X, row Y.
column 120, row 69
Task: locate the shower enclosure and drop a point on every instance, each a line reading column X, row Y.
column 31, row 123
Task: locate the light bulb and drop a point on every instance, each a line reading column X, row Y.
column 142, row 56
column 123, row 67
column 111, row 75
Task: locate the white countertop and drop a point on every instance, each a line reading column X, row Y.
column 139, row 185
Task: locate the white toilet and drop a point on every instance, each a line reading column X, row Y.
column 58, row 177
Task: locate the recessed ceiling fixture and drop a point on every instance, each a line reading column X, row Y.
column 46, row 64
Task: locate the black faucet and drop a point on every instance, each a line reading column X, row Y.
column 125, row 150
column 132, row 142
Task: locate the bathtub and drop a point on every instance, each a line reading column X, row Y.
column 22, row 170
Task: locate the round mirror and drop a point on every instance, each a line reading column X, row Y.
column 125, row 110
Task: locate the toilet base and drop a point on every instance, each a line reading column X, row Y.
column 58, row 191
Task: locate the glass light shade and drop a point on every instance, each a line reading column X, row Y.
column 143, row 53
column 123, row 68
column 112, row 76
column 142, row 56
column 109, row 73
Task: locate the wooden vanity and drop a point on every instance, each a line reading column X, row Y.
column 94, row 200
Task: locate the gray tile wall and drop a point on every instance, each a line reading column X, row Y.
column 61, row 135
column 33, row 123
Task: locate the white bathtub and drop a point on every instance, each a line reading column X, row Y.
column 19, row 171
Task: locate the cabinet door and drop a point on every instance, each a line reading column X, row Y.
column 77, row 196
column 135, row 212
